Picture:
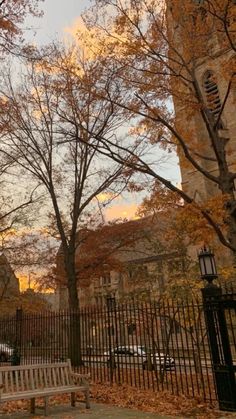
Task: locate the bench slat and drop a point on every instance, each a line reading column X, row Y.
column 32, row 386
column 41, row 393
column 45, row 383
column 67, row 377
column 17, row 381
column 40, row 377
column 62, row 370
column 35, row 377
column 33, row 366
column 54, row 377
column 26, row 378
column 49, row 377
column 11, row 382
column 6, row 382
column 22, row 380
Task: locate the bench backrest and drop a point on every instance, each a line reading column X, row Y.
column 36, row 376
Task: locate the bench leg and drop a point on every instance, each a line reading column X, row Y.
column 87, row 402
column 72, row 399
column 32, row 405
column 45, row 406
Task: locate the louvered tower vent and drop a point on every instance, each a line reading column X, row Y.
column 212, row 94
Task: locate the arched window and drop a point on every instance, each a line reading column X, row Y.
column 212, row 95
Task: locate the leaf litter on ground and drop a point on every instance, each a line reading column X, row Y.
column 163, row 402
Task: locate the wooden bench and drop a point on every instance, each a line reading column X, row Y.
column 42, row 380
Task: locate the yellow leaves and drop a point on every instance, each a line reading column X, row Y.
column 134, row 187
column 184, row 223
column 161, row 199
column 90, row 42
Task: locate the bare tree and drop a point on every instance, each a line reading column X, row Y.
column 48, row 113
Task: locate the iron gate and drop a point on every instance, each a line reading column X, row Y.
column 220, row 315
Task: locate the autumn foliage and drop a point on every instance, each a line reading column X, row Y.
column 160, row 53
column 12, row 16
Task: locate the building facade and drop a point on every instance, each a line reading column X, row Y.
column 205, row 102
column 126, row 260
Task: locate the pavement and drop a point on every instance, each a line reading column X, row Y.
column 97, row 411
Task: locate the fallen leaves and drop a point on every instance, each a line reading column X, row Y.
column 163, row 402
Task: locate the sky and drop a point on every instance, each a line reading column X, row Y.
column 59, row 15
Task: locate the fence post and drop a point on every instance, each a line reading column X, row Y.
column 111, row 304
column 223, row 368
column 16, row 356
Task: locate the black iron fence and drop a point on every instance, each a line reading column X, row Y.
column 158, row 345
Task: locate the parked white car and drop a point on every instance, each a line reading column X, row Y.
column 137, row 354
column 6, row 352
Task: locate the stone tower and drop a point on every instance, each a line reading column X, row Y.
column 209, row 60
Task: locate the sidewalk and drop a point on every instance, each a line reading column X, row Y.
column 97, row 411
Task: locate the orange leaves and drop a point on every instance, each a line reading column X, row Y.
column 161, row 199
column 184, row 223
column 162, row 403
column 99, row 249
column 12, row 16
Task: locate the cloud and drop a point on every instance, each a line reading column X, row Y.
column 106, row 196
column 121, row 211
column 77, row 24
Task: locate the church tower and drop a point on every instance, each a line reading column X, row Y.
column 202, row 54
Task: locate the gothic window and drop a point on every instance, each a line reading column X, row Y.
column 106, row 279
column 212, row 95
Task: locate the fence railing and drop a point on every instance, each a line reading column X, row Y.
column 156, row 345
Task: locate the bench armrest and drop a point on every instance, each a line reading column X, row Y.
column 81, row 379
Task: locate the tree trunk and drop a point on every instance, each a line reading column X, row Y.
column 74, row 329
column 231, row 221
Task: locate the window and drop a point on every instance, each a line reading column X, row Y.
column 106, row 279
column 212, row 95
column 142, row 271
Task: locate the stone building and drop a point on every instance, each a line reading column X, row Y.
column 126, row 260
column 209, row 68
column 204, row 98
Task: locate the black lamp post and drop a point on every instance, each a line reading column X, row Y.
column 207, row 265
